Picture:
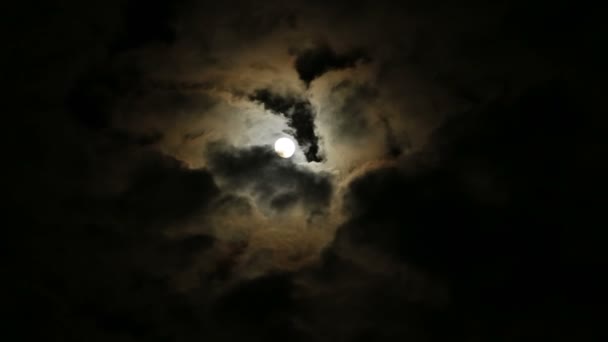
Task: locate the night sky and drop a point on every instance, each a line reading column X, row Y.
column 448, row 184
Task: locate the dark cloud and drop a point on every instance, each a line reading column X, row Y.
column 95, row 96
column 484, row 236
column 494, row 231
column 352, row 119
column 230, row 204
column 314, row 62
column 147, row 23
column 357, row 114
column 283, row 201
column 169, row 189
column 276, row 181
column 394, row 150
column 239, row 307
column 118, row 101
column 300, row 116
column 104, row 263
column 368, row 303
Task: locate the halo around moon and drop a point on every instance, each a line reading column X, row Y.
column 284, row 147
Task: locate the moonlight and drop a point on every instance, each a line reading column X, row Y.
column 284, row 147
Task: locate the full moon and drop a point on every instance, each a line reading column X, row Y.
column 284, row 147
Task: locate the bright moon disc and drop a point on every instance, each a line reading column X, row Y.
column 284, row 147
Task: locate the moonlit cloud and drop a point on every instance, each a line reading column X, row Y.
column 444, row 184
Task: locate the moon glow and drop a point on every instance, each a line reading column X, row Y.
column 284, row 147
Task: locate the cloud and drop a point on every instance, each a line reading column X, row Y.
column 238, row 311
column 354, row 117
column 144, row 204
column 276, row 182
column 314, row 62
column 300, row 116
column 147, row 23
column 95, row 95
column 123, row 103
column 167, row 188
column 105, row 265
column 480, row 204
column 392, row 145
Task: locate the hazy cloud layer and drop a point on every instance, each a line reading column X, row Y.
column 314, row 62
column 300, row 116
column 445, row 186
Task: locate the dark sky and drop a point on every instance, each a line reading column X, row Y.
column 448, row 182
